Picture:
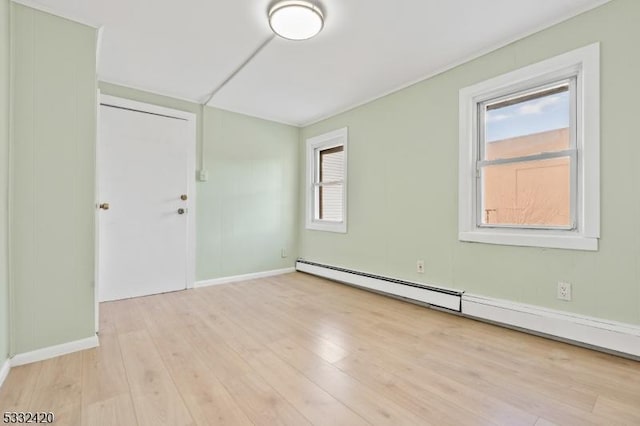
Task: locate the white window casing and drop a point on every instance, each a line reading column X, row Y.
column 314, row 146
column 582, row 66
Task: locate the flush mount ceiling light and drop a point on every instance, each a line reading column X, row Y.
column 296, row 20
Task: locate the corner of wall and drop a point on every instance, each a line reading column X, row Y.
column 4, row 183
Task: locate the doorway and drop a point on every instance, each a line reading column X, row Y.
column 146, row 208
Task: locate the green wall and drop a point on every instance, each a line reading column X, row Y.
column 52, row 179
column 246, row 211
column 403, row 177
column 4, row 179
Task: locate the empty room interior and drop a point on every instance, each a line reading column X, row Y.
column 327, row 212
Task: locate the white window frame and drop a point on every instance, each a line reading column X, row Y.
column 328, row 140
column 584, row 64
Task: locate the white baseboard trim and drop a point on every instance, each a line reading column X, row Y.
column 609, row 335
column 54, row 351
column 432, row 295
column 245, row 277
column 4, row 371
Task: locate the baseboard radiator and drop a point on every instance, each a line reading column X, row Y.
column 604, row 335
column 431, row 295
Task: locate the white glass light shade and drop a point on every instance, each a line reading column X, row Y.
column 296, row 20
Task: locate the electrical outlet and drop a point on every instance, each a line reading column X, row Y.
column 420, row 266
column 283, row 253
column 564, row 291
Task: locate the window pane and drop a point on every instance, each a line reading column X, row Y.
column 330, row 173
column 332, row 164
column 529, row 123
column 330, row 202
column 536, row 193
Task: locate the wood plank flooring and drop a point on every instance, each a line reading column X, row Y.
column 300, row 350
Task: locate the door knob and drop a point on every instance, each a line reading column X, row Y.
column 104, row 206
column 183, row 197
column 182, row 211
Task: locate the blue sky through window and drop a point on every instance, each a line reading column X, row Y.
column 534, row 116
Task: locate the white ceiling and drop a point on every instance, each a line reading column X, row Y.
column 368, row 48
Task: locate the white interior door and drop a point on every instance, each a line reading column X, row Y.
column 143, row 171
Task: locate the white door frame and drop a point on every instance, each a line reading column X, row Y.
column 191, row 184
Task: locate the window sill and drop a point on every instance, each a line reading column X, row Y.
column 339, row 227
column 569, row 242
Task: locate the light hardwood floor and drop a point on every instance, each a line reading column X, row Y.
column 299, row 350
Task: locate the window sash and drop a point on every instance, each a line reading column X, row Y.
column 521, row 96
column 572, row 153
column 541, row 156
column 318, row 183
column 318, row 211
column 573, row 185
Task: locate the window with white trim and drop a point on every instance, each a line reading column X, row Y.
column 327, row 182
column 529, row 155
